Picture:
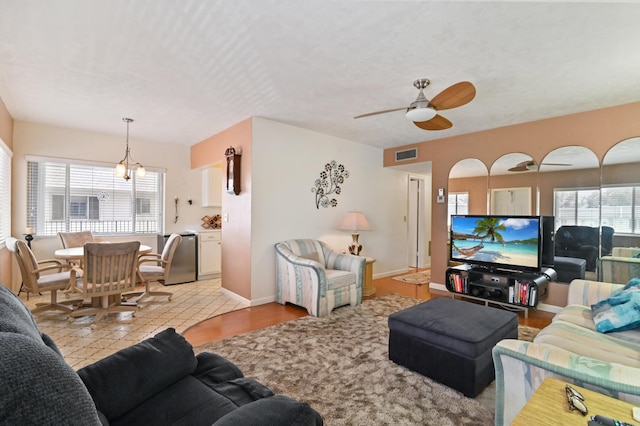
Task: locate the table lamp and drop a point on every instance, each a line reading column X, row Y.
column 28, row 235
column 354, row 221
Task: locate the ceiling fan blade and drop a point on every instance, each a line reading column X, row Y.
column 556, row 164
column 519, row 169
column 454, row 96
column 436, row 123
column 380, row 112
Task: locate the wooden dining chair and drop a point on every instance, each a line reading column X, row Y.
column 47, row 275
column 75, row 239
column 156, row 267
column 109, row 271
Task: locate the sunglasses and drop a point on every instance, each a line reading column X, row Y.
column 575, row 400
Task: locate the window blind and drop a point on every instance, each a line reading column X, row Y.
column 63, row 196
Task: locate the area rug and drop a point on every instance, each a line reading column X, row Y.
column 340, row 366
column 415, row 278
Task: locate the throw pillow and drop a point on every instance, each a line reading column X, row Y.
column 619, row 312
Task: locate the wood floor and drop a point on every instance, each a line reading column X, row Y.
column 249, row 319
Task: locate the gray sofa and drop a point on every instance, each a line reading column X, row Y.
column 158, row 381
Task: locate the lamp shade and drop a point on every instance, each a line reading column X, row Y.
column 354, row 221
column 421, row 114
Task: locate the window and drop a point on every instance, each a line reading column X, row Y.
column 620, row 208
column 577, row 207
column 143, row 206
column 458, row 204
column 64, row 196
column 5, row 192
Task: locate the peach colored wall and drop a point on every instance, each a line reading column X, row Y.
column 6, row 133
column 236, row 233
column 597, row 130
column 477, row 189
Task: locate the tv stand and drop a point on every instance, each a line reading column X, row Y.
column 517, row 290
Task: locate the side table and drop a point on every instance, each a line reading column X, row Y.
column 368, row 288
column 548, row 405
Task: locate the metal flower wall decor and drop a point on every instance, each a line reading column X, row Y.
column 330, row 181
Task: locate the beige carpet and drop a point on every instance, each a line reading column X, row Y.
column 415, row 278
column 340, row 366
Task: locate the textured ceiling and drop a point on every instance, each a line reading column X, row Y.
column 186, row 70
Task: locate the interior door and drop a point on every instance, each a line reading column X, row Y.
column 416, row 223
column 511, row 201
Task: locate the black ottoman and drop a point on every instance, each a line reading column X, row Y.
column 450, row 341
column 569, row 268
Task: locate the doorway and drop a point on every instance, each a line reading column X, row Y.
column 511, row 201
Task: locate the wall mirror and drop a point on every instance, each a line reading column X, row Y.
column 468, row 184
column 621, row 192
column 568, row 185
column 620, row 196
column 513, row 185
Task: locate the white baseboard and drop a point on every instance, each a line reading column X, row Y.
column 549, row 308
column 244, row 300
column 438, row 287
column 390, row 273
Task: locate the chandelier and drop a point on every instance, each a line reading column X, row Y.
column 123, row 169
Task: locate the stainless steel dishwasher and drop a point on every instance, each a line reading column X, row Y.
column 184, row 264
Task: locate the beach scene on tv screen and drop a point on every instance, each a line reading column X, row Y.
column 503, row 240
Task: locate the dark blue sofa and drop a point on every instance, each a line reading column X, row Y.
column 156, row 382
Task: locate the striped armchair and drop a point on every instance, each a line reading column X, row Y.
column 312, row 275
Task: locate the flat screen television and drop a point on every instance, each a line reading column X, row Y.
column 498, row 242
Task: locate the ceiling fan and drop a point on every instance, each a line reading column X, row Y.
column 424, row 112
column 530, row 165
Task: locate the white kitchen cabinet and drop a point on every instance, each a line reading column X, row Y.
column 212, row 187
column 209, row 254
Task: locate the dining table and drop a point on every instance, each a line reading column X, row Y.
column 77, row 253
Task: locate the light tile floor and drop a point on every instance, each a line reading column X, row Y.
column 82, row 344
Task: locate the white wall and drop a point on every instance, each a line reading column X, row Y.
column 286, row 162
column 50, row 141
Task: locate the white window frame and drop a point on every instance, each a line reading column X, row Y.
column 456, row 204
column 591, row 217
column 5, row 192
column 111, row 202
column 634, row 208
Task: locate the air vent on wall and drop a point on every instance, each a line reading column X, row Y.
column 407, row 154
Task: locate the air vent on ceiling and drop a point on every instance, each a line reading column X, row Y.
column 407, row 154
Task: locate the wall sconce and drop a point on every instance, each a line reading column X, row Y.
column 354, row 221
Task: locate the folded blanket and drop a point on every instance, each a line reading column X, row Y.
column 619, row 312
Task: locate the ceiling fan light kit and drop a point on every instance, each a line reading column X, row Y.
column 421, row 114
